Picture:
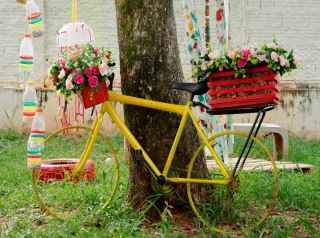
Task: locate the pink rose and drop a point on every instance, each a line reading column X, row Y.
column 88, row 72
column 62, row 74
column 204, row 66
column 272, row 45
column 282, row 60
column 295, row 60
column 103, row 68
column 52, row 79
column 93, row 81
column 253, row 52
column 213, row 55
column 246, row 53
column 261, row 57
column 75, row 71
column 62, row 63
column 242, row 63
column 274, row 56
column 233, row 53
column 95, row 70
column 205, row 51
column 222, row 66
column 69, row 84
column 96, row 51
column 79, row 79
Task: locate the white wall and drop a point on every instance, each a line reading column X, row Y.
column 294, row 23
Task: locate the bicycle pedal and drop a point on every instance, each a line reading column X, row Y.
column 138, row 157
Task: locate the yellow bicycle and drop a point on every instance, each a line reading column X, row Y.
column 235, row 200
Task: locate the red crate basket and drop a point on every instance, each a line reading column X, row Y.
column 92, row 97
column 259, row 88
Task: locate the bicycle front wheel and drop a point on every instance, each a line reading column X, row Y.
column 248, row 198
column 57, row 190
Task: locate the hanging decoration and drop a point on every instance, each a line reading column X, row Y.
column 72, row 35
column 38, row 129
column 63, row 114
column 26, row 57
column 33, row 155
column 29, row 101
column 34, row 18
column 26, row 62
column 70, row 38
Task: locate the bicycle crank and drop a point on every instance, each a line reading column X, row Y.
column 160, row 188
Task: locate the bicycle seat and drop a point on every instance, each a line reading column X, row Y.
column 194, row 88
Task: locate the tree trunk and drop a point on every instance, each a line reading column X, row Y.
column 149, row 66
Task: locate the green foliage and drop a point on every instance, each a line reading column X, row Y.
column 273, row 55
column 87, row 62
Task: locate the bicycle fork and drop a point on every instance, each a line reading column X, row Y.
column 88, row 147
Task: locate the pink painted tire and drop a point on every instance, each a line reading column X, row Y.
column 59, row 169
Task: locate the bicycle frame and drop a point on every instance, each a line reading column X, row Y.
column 183, row 110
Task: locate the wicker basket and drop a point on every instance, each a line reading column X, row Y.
column 91, row 97
column 259, row 88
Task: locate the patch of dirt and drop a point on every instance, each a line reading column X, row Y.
column 3, row 222
column 180, row 225
column 295, row 217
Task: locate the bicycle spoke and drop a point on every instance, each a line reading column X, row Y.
column 58, row 191
column 243, row 204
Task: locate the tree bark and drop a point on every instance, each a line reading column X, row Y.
column 149, row 66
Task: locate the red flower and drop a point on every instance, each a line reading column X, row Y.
column 88, row 72
column 75, row 71
column 95, row 70
column 195, row 45
column 242, row 63
column 219, row 14
column 96, row 51
column 79, row 79
column 62, row 63
column 246, row 53
column 67, row 70
column 93, row 81
column 108, row 56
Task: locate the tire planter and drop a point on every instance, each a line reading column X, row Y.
column 59, row 169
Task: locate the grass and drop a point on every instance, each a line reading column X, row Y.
column 297, row 212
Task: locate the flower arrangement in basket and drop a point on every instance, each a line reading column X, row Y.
column 84, row 73
column 244, row 77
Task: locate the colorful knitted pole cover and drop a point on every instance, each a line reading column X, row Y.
column 192, row 30
column 210, row 124
column 207, row 23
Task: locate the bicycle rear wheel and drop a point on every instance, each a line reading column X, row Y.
column 60, row 193
column 248, row 199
